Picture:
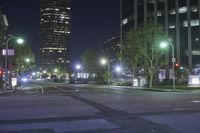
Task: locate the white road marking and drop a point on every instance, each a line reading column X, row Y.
column 196, row 101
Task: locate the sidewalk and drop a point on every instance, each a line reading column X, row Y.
column 8, row 91
column 137, row 88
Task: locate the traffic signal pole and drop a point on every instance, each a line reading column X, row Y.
column 173, row 67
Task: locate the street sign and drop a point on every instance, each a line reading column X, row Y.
column 173, row 59
column 10, row 52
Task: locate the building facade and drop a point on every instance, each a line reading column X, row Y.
column 111, row 48
column 54, row 34
column 3, row 20
column 179, row 18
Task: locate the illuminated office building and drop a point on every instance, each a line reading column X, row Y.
column 54, row 33
column 179, row 18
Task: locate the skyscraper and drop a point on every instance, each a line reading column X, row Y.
column 54, row 34
column 179, row 18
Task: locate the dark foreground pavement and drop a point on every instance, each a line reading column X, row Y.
column 76, row 109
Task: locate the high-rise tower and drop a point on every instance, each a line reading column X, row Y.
column 54, row 34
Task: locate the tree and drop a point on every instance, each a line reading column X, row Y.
column 90, row 62
column 22, row 53
column 132, row 50
column 1, row 39
column 152, row 53
column 1, row 35
column 141, row 49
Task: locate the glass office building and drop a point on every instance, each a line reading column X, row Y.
column 179, row 18
column 54, row 33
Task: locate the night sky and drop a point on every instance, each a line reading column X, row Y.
column 92, row 22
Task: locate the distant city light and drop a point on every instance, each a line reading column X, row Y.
column 103, row 61
column 118, row 69
column 27, row 60
column 55, row 70
column 78, row 66
column 44, row 71
column 33, row 74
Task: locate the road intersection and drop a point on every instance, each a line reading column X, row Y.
column 63, row 108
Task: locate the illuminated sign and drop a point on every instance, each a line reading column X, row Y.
column 10, row 52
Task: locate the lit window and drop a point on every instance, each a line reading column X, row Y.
column 194, row 9
column 125, row 21
column 195, row 52
column 193, row 23
column 172, row 26
column 151, row 1
column 159, row 13
column 172, row 12
column 182, row 10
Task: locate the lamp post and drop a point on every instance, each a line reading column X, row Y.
column 104, row 62
column 19, row 41
column 164, row 45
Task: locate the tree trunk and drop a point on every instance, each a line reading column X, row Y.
column 151, row 80
column 133, row 79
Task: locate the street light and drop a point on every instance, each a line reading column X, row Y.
column 78, row 67
column 44, row 71
column 19, row 41
column 27, row 60
column 118, row 69
column 104, row 62
column 164, row 45
column 55, row 70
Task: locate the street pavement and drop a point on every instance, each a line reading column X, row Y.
column 40, row 107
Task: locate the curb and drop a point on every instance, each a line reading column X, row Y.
column 9, row 91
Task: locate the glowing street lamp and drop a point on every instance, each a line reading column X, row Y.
column 19, row 41
column 118, row 69
column 164, row 45
column 103, row 61
column 78, row 67
column 55, row 70
column 27, row 60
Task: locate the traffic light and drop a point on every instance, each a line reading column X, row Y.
column 177, row 66
column 1, row 74
column 181, row 69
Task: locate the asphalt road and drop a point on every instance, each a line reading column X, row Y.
column 61, row 108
